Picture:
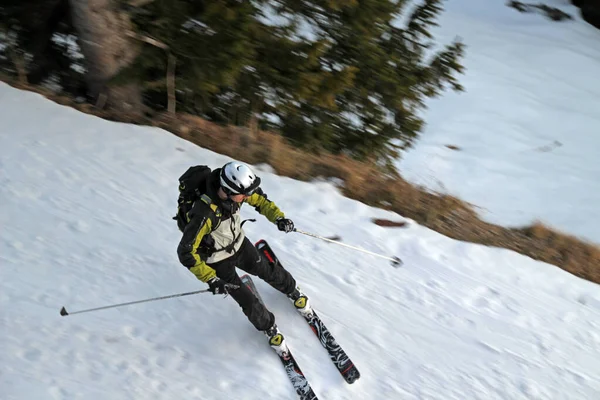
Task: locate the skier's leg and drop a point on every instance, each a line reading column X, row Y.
column 279, row 278
column 251, row 261
column 255, row 311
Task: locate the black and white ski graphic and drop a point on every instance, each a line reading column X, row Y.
column 337, row 355
column 290, row 365
column 299, row 381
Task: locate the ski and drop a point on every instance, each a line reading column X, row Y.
column 299, row 381
column 337, row 355
column 290, row 365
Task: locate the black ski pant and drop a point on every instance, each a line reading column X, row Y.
column 248, row 259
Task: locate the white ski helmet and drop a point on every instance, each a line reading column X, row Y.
column 238, row 178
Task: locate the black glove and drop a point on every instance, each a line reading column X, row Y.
column 286, row 225
column 217, row 286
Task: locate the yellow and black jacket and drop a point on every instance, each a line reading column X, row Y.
column 214, row 229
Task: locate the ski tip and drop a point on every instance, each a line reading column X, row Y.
column 351, row 374
column 63, row 312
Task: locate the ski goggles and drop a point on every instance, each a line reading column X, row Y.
column 248, row 192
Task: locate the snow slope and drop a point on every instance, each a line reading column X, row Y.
column 85, row 219
column 528, row 124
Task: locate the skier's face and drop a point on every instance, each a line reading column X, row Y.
column 235, row 197
column 238, row 198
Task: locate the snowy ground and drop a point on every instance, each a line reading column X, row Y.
column 85, row 220
column 528, row 125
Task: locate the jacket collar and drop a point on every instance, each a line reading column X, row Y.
column 213, row 183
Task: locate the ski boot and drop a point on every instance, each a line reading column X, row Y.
column 300, row 301
column 276, row 340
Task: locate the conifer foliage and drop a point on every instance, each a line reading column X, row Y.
column 341, row 75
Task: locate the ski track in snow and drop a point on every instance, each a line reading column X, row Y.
column 86, row 221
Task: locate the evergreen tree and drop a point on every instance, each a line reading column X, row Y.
column 336, row 74
column 27, row 31
column 373, row 76
column 212, row 41
column 355, row 84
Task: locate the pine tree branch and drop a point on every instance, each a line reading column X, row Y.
column 147, row 39
column 172, row 101
column 170, row 78
column 139, row 3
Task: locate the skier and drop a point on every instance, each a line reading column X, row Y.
column 214, row 244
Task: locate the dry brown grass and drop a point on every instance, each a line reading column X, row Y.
column 362, row 181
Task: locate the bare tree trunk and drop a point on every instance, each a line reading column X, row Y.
column 105, row 42
column 19, row 62
column 172, row 101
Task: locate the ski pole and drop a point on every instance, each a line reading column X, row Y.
column 63, row 311
column 396, row 261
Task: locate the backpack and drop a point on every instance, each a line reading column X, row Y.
column 192, row 185
column 193, row 182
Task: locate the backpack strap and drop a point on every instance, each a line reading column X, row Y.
column 207, row 244
column 215, row 209
column 205, row 198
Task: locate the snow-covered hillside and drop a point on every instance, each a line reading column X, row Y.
column 85, row 220
column 528, row 125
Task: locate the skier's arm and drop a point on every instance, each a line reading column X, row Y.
column 199, row 225
column 265, row 206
